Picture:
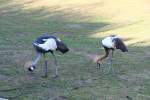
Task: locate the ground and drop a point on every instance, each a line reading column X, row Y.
column 81, row 24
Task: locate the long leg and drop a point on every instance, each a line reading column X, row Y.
column 99, row 61
column 111, row 56
column 110, row 61
column 38, row 57
column 46, row 69
column 56, row 65
column 112, row 53
column 113, row 70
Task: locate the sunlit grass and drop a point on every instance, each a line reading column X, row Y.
column 138, row 32
column 133, row 16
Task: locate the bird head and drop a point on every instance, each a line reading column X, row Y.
column 120, row 45
column 62, row 47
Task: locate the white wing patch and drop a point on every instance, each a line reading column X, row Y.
column 49, row 44
column 108, row 42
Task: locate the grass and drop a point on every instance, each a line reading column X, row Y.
column 81, row 24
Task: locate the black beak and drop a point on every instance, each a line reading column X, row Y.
column 125, row 51
column 123, row 48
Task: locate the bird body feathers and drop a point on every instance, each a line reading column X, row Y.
column 108, row 42
column 49, row 44
column 112, row 43
column 45, row 44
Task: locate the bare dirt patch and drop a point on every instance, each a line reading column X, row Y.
column 90, row 56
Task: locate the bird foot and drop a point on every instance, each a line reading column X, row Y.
column 98, row 65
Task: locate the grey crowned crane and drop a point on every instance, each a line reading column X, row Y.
column 111, row 43
column 45, row 44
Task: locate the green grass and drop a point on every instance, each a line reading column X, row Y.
column 79, row 79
